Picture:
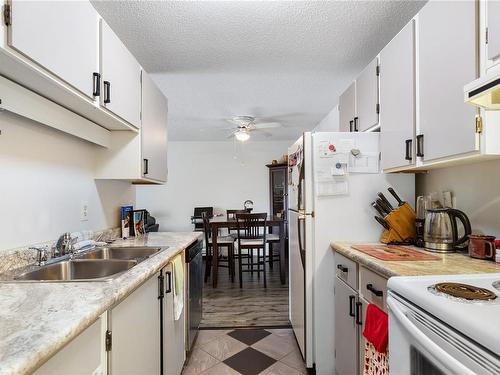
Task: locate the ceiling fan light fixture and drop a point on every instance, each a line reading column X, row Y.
column 242, row 135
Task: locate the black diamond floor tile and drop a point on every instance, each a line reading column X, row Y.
column 249, row 362
column 249, row 336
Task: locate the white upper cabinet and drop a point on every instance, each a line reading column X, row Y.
column 347, row 108
column 154, row 130
column 446, row 61
column 493, row 25
column 60, row 36
column 121, row 78
column 397, row 99
column 367, row 97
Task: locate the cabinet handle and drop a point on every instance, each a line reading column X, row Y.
column 351, row 125
column 356, row 124
column 96, row 81
column 169, row 282
column 408, row 144
column 351, row 306
column 420, row 145
column 342, row 268
column 377, row 292
column 160, row 286
column 107, row 92
column 146, row 166
column 359, row 318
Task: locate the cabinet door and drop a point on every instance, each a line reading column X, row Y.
column 154, row 130
column 446, row 61
column 174, row 330
column 61, row 36
column 493, row 24
column 367, row 97
column 135, row 327
column 347, row 104
column 121, row 75
column 397, row 100
column 362, row 341
column 346, row 330
column 82, row 356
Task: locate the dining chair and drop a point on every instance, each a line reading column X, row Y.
column 197, row 219
column 251, row 232
column 222, row 241
column 273, row 239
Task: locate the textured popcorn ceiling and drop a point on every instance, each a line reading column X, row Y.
column 287, row 61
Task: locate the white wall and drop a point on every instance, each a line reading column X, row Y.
column 207, row 174
column 476, row 188
column 330, row 123
column 45, row 177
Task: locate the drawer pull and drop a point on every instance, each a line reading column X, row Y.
column 342, row 268
column 377, row 292
column 359, row 318
column 351, row 306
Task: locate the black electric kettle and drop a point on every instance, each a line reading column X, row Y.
column 441, row 230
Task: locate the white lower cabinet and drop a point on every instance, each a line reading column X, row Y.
column 174, row 353
column 346, row 329
column 355, row 288
column 82, row 356
column 135, row 332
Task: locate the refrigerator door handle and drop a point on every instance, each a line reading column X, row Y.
column 300, row 220
column 299, row 187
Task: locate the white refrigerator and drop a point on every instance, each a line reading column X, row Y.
column 332, row 181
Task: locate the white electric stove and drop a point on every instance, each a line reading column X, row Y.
column 443, row 325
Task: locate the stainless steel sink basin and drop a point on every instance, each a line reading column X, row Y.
column 124, row 253
column 78, row 270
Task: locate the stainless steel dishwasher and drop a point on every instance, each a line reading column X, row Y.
column 194, row 265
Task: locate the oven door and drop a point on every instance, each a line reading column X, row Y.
column 420, row 344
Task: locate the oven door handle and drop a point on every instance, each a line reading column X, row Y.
column 432, row 349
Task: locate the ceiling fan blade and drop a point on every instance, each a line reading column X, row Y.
column 230, row 136
column 267, row 125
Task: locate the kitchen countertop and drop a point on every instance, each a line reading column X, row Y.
column 450, row 264
column 37, row 319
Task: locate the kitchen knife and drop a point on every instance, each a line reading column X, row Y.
column 387, row 209
column 378, row 209
column 395, row 195
column 384, row 199
column 382, row 222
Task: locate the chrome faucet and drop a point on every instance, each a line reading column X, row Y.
column 41, row 256
column 64, row 245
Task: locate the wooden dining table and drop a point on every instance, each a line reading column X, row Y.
column 219, row 222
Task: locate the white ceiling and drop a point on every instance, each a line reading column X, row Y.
column 284, row 61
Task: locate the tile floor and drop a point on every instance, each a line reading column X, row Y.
column 246, row 352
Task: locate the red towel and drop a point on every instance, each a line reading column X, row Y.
column 376, row 328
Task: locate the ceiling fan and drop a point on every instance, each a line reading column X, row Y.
column 244, row 125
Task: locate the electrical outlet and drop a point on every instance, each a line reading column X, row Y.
column 84, row 212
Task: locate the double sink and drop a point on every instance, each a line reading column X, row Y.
column 100, row 264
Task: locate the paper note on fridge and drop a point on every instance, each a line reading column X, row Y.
column 338, row 185
column 365, row 162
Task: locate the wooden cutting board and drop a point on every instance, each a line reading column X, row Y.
column 393, row 252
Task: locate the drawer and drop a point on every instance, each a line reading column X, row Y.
column 373, row 287
column 346, row 270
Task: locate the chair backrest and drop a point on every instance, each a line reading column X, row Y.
column 231, row 214
column 251, row 226
column 196, row 218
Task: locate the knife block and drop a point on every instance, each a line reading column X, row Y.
column 402, row 225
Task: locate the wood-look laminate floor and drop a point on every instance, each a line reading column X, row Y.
column 251, row 306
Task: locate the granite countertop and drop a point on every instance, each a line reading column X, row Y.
column 38, row 319
column 449, row 264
